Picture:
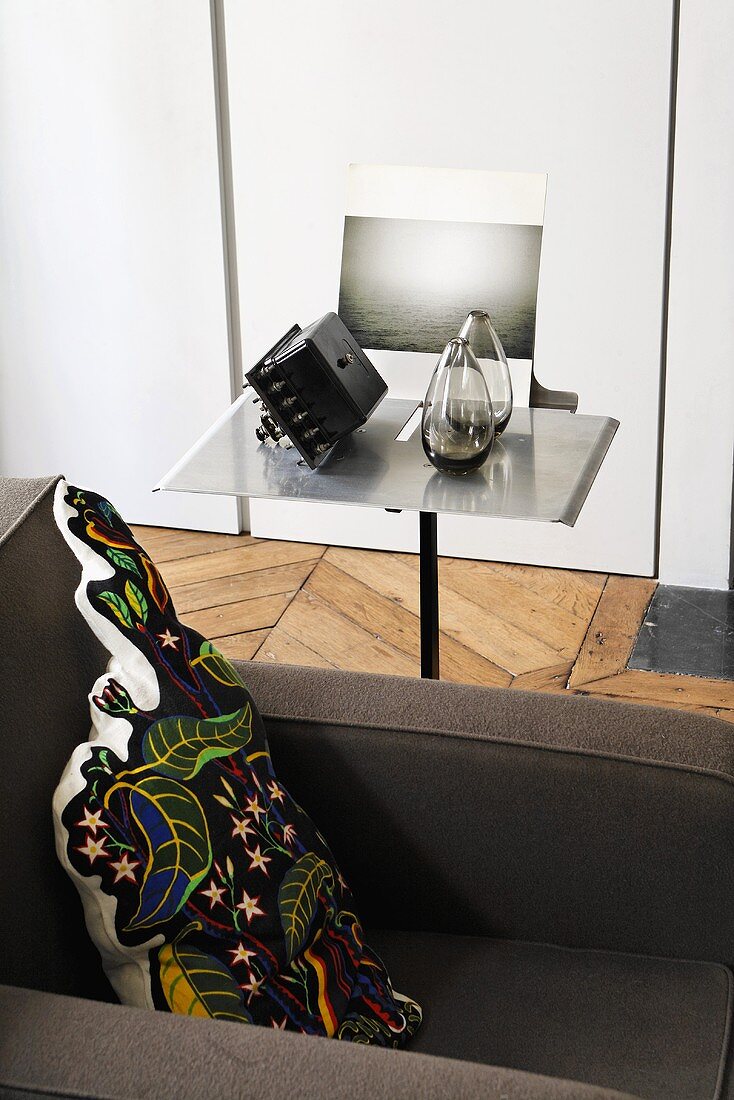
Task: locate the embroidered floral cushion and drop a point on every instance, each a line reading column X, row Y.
column 207, row 890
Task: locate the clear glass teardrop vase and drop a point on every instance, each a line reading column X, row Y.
column 482, row 337
column 457, row 427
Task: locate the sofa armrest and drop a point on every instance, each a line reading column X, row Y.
column 569, row 820
column 65, row 1046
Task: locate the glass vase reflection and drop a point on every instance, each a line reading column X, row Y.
column 457, row 428
column 482, row 337
column 489, row 492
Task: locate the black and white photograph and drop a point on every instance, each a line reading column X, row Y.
column 407, row 285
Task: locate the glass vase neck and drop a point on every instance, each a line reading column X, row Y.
column 479, row 331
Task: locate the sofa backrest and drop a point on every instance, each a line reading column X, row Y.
column 49, row 660
column 568, row 820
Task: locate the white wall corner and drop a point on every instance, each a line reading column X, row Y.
column 698, row 448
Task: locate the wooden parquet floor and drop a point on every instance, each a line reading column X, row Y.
column 505, row 625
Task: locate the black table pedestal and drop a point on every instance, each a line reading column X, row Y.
column 429, row 595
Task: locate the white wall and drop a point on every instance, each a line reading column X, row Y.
column 576, row 89
column 699, row 406
column 113, row 335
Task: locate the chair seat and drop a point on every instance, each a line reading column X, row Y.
column 655, row 1028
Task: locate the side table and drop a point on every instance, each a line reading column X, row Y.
column 540, row 469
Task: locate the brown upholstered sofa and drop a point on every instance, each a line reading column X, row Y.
column 551, row 878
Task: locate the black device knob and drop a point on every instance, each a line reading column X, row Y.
column 268, row 429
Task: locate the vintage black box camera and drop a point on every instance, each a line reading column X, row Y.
column 317, row 386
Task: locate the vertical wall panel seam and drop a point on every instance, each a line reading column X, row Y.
column 226, row 193
column 672, row 110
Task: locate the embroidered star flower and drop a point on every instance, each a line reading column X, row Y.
column 259, row 861
column 250, row 907
column 214, row 893
column 254, row 807
column 94, row 848
column 125, row 868
column 281, row 1025
column 289, row 834
column 254, row 987
column 168, row 639
column 241, row 828
column 241, row 955
column 92, row 821
column 276, row 793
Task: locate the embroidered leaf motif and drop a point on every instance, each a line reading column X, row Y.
column 137, row 600
column 298, row 897
column 100, row 531
column 123, row 560
column 118, row 605
column 172, row 822
column 179, row 747
column 108, row 511
column 156, row 587
column 196, row 984
column 217, row 665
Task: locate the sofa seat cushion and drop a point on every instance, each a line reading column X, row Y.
column 655, row 1028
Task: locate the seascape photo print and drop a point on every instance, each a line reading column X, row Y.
column 408, row 284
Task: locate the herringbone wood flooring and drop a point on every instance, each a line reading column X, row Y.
column 508, row 625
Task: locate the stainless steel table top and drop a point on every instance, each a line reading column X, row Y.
column 541, row 468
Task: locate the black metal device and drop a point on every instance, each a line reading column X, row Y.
column 316, row 386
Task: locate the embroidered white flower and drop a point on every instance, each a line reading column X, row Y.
column 92, row 821
column 250, row 907
column 214, row 893
column 94, row 848
column 259, row 861
column 125, row 868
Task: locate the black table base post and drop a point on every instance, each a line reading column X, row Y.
column 429, row 594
